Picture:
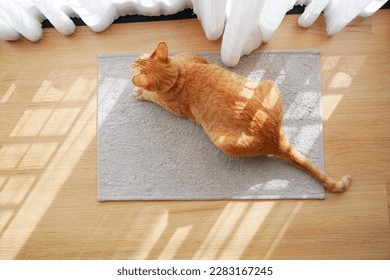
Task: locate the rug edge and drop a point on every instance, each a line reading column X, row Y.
column 102, row 198
column 318, row 196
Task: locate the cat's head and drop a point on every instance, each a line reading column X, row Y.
column 155, row 72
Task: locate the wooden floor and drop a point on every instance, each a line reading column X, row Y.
column 48, row 207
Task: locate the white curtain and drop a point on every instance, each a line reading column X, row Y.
column 243, row 24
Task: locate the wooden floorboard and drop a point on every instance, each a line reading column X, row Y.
column 48, row 207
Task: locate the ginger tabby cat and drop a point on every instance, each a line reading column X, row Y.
column 241, row 117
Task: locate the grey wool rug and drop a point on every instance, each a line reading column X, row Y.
column 146, row 153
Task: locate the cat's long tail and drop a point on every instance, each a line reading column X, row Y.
column 288, row 153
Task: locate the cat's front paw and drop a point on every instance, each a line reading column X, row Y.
column 143, row 94
column 137, row 92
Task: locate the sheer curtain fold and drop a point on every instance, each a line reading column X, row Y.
column 243, row 25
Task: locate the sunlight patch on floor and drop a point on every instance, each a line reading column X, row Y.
column 44, row 122
column 79, row 87
column 8, row 93
column 31, row 122
column 283, row 231
column 12, row 154
column 330, row 63
column 341, row 80
column 60, row 121
column 37, row 155
column 242, row 235
column 44, row 146
column 330, row 103
column 175, row 242
column 339, row 72
column 14, row 189
column 147, row 238
column 229, row 235
column 47, row 93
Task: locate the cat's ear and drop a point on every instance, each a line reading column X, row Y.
column 161, row 52
column 140, row 80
